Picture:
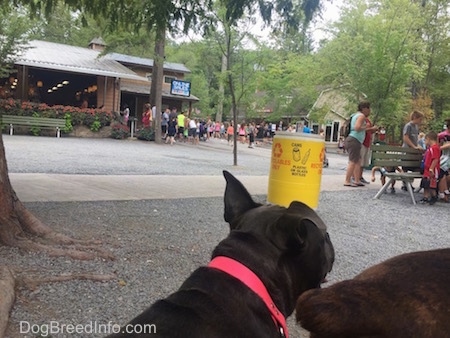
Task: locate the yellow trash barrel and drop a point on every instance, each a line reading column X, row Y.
column 296, row 168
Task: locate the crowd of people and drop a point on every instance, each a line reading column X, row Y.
column 435, row 146
column 180, row 127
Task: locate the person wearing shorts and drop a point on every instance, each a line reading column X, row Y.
column 353, row 144
column 180, row 128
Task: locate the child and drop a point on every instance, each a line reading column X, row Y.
column 341, row 144
column 431, row 169
column 383, row 171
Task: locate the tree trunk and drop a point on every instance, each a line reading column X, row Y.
column 17, row 224
column 157, row 79
column 232, row 93
column 219, row 115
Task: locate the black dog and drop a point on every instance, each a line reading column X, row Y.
column 405, row 296
column 270, row 257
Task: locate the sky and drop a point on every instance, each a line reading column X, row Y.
column 330, row 13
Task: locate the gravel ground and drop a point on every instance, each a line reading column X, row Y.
column 158, row 243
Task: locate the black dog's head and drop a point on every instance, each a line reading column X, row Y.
column 289, row 248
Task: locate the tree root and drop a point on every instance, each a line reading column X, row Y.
column 26, row 232
column 32, row 225
column 79, row 252
column 33, row 282
column 8, row 282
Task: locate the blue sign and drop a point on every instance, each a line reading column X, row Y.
column 182, row 88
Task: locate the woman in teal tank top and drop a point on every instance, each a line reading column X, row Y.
column 353, row 144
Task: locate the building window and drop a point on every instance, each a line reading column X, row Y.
column 168, row 79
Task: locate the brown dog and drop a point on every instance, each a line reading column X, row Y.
column 405, row 296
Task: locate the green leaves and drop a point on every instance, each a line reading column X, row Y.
column 376, row 49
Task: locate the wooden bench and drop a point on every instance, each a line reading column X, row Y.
column 395, row 156
column 31, row 121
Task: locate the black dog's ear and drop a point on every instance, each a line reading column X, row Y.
column 307, row 213
column 310, row 215
column 237, row 199
column 292, row 229
column 290, row 232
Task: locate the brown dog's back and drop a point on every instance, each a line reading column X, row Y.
column 405, row 296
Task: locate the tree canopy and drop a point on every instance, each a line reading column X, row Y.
column 395, row 52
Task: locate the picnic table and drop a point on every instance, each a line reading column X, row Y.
column 395, row 156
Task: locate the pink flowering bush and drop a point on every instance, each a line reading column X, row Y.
column 77, row 116
column 120, row 131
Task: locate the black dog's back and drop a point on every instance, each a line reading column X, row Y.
column 208, row 304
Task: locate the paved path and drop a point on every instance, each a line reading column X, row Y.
column 72, row 169
column 54, row 187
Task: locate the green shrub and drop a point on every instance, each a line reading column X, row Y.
column 146, row 134
column 96, row 125
column 120, row 131
column 68, row 127
column 35, row 130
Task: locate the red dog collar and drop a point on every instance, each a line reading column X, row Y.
column 252, row 281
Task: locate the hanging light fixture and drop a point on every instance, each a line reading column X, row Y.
column 65, row 82
column 55, row 88
column 39, row 84
column 59, row 85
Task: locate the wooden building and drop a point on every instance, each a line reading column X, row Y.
column 58, row 74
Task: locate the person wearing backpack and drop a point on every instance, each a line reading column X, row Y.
column 353, row 144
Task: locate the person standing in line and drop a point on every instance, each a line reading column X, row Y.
column 230, row 133
column 153, row 113
column 273, row 130
column 173, row 113
column 222, row 131
column 353, row 144
column 411, row 137
column 171, row 130
column 126, row 114
column 251, row 135
column 165, row 122
column 242, row 132
column 180, row 127
column 192, row 132
column 365, row 146
column 147, row 116
column 217, row 130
